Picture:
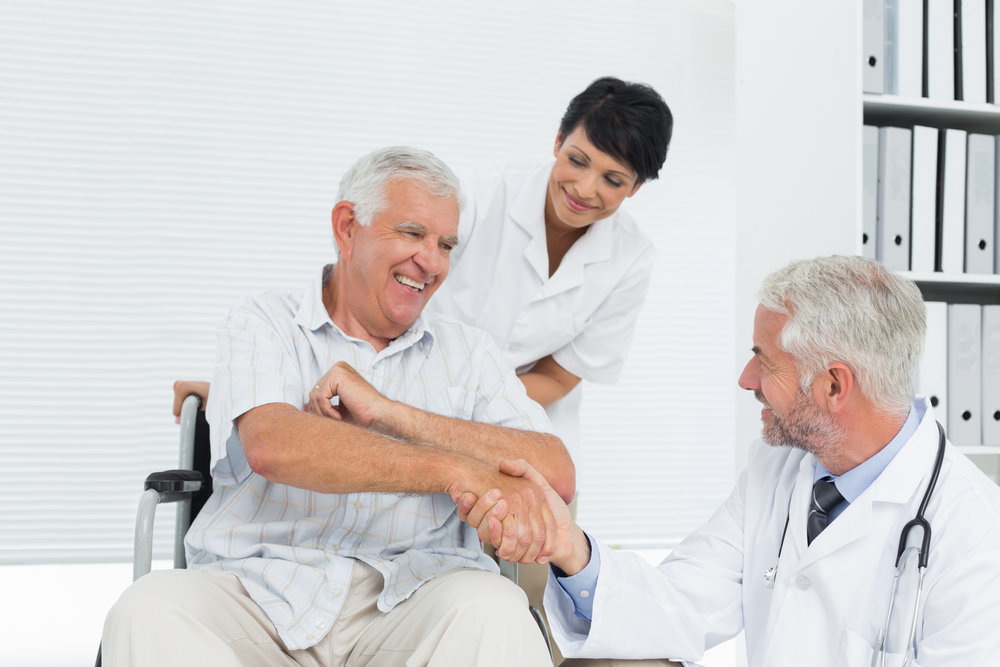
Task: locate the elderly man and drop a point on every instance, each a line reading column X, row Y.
column 803, row 553
column 332, row 536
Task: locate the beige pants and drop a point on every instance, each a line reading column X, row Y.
column 191, row 617
column 620, row 663
column 532, row 579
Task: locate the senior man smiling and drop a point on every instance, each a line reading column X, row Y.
column 332, row 536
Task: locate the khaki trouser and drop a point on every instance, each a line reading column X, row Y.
column 532, row 579
column 620, row 663
column 196, row 617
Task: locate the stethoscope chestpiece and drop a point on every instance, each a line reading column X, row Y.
column 769, row 577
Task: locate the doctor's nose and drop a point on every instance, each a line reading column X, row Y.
column 750, row 377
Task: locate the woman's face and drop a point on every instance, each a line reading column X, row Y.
column 586, row 184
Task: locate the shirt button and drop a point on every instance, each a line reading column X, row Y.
column 803, row 583
column 513, row 347
column 336, row 593
column 310, row 637
column 585, row 594
column 320, row 624
column 357, row 505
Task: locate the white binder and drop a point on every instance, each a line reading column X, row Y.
column 974, row 50
column 893, row 221
column 965, row 398
column 873, row 42
column 991, row 375
column 904, row 47
column 979, row 203
column 941, row 49
column 869, row 176
column 932, row 373
column 923, row 234
column 953, row 224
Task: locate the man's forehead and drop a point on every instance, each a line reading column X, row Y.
column 767, row 326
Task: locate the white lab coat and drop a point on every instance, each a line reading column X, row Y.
column 830, row 598
column 584, row 315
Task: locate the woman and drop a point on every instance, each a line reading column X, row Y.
column 546, row 261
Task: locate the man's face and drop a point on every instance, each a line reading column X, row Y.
column 790, row 416
column 400, row 260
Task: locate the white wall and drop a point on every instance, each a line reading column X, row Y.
column 798, row 129
column 159, row 159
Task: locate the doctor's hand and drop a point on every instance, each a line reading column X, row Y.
column 567, row 546
column 514, row 517
column 360, row 403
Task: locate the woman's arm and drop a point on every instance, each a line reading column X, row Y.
column 547, row 381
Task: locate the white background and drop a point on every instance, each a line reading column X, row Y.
column 157, row 160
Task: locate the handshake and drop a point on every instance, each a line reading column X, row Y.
column 546, row 533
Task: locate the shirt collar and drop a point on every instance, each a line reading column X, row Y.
column 528, row 211
column 312, row 315
column 854, row 482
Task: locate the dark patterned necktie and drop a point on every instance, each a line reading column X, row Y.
column 825, row 497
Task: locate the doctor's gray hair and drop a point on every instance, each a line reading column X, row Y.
column 855, row 311
column 364, row 183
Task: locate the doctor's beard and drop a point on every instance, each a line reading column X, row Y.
column 804, row 427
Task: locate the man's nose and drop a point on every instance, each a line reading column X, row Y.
column 750, row 378
column 430, row 259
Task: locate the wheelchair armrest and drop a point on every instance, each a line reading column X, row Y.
column 174, row 485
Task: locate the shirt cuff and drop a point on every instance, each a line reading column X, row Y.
column 581, row 586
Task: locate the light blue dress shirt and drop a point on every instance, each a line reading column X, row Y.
column 582, row 585
column 854, row 482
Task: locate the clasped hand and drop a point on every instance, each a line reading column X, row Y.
column 360, row 403
column 495, row 516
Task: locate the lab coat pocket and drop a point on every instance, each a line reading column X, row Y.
column 856, row 652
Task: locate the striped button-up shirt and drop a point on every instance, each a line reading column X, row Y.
column 294, row 549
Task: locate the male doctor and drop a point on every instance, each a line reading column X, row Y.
column 846, row 459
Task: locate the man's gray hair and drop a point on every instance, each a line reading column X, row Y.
column 855, row 311
column 364, row 183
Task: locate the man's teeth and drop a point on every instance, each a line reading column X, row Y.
column 403, row 280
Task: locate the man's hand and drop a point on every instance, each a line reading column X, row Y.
column 490, row 514
column 527, row 533
column 360, row 403
column 183, row 389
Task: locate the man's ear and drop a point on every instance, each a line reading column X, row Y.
column 837, row 386
column 345, row 228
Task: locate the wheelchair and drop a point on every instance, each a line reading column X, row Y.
column 191, row 485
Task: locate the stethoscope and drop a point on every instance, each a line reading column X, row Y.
column 878, row 657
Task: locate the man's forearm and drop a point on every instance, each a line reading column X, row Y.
column 300, row 449
column 485, row 442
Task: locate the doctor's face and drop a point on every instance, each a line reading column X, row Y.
column 791, row 417
column 586, row 184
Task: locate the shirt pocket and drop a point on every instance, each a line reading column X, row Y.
column 450, row 402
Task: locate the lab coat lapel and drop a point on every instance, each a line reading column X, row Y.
column 528, row 211
column 592, row 247
column 896, row 485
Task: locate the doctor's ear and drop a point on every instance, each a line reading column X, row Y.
column 559, row 142
column 345, row 227
column 837, row 386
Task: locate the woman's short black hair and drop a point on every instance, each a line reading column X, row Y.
column 628, row 121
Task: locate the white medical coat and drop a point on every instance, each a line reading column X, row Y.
column 584, row 315
column 830, row 598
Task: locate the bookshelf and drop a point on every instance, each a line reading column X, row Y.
column 881, row 110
